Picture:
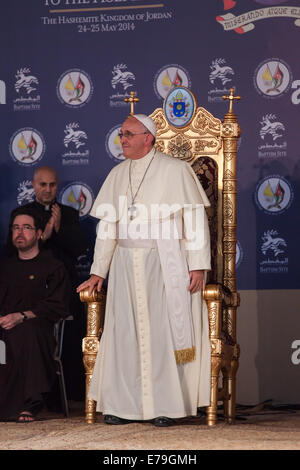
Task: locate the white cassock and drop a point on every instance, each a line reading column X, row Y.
column 136, row 374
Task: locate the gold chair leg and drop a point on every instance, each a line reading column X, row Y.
column 90, row 344
column 211, row 411
column 213, row 296
column 226, row 368
column 231, row 387
column 90, row 405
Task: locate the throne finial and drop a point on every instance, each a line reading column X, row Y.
column 231, row 97
column 133, row 99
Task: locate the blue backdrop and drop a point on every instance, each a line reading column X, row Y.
column 66, row 66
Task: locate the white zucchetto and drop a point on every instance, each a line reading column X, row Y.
column 147, row 122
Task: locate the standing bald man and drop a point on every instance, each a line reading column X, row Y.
column 154, row 357
column 63, row 236
column 62, row 233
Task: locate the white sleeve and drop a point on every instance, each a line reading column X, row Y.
column 197, row 238
column 104, row 248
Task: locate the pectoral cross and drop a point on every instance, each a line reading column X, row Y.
column 133, row 99
column 231, row 97
column 132, row 211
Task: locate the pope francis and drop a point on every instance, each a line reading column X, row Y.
column 154, row 356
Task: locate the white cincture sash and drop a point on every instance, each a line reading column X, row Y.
column 177, row 280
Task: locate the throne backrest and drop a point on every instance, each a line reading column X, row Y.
column 209, row 146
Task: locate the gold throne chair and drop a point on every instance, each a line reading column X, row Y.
column 209, row 145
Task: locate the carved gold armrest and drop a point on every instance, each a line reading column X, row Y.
column 213, row 294
column 219, row 298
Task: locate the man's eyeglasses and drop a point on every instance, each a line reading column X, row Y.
column 25, row 228
column 129, row 134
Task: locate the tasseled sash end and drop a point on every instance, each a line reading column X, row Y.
column 185, row 355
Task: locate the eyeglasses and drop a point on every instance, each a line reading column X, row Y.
column 24, row 228
column 129, row 134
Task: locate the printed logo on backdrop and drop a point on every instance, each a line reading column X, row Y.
column 220, row 76
column 113, row 144
column 169, row 77
column 26, row 89
column 179, row 107
column 244, row 22
column 79, row 196
column 2, row 92
column 296, row 94
column 122, row 79
column 272, row 78
column 273, row 249
column 274, row 195
column 25, row 193
column 75, row 141
column 272, row 133
column 239, row 254
column 74, row 88
column 27, row 146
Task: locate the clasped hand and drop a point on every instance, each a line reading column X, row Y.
column 53, row 222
